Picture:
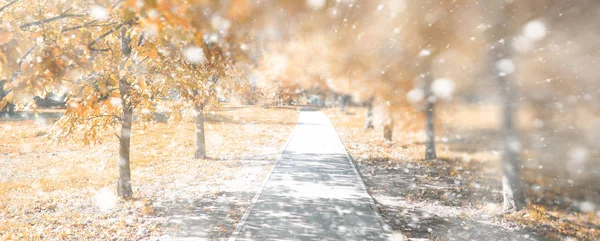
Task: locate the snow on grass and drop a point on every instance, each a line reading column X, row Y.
column 67, row 191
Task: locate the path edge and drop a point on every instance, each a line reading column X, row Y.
column 386, row 228
column 242, row 222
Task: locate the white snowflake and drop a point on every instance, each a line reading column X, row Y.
column 315, row 4
column 578, row 156
column 220, row 23
column 535, row 30
column 424, row 52
column 98, row 12
column 587, row 206
column 443, row 88
column 522, row 44
column 195, row 55
column 105, row 200
column 415, row 95
column 505, row 66
column 114, row 101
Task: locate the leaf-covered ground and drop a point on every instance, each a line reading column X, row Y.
column 66, row 191
column 458, row 196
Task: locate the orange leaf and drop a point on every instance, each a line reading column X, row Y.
column 5, row 36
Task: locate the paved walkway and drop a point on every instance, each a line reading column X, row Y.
column 314, row 192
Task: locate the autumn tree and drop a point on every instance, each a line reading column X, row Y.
column 201, row 82
column 443, row 27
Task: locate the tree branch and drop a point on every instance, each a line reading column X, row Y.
column 141, row 40
column 98, row 39
column 142, row 61
column 116, row 3
column 102, row 116
column 20, row 62
column 8, row 5
column 78, row 27
column 61, row 16
column 88, row 24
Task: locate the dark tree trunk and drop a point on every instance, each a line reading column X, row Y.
column 333, row 100
column 344, row 103
column 388, row 129
column 512, row 189
column 9, row 108
column 369, row 117
column 200, row 150
column 430, row 143
column 124, row 184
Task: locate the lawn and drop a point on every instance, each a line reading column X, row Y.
column 67, row 190
column 458, row 196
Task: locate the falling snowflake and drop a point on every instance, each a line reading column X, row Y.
column 522, row 44
column 578, row 156
column 415, row 95
column 315, row 4
column 443, row 88
column 195, row 55
column 587, row 206
column 505, row 66
column 114, row 101
column 105, row 200
column 220, row 23
column 98, row 13
column 535, row 30
column 424, row 52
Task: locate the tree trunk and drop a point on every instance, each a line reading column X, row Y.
column 280, row 102
column 9, row 108
column 369, row 118
column 345, row 100
column 512, row 190
column 388, row 129
column 430, row 143
column 333, row 99
column 124, row 184
column 200, row 151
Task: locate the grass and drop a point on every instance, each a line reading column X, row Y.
column 48, row 190
column 466, row 174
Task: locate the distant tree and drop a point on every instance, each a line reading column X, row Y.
column 443, row 26
column 369, row 117
column 500, row 37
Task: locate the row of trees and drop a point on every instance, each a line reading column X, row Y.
column 421, row 53
column 112, row 58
